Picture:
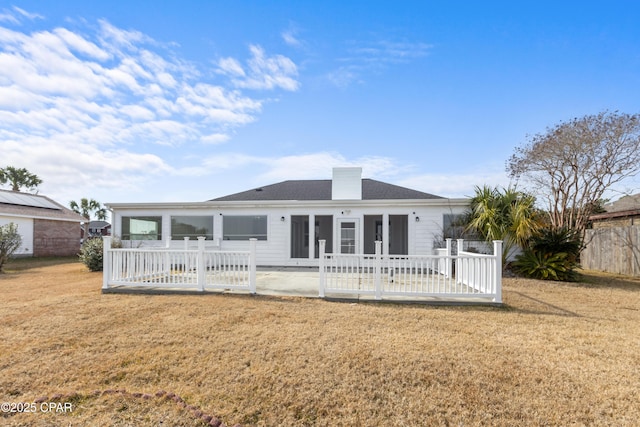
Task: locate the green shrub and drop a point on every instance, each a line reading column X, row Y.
column 10, row 241
column 91, row 252
column 551, row 255
column 558, row 241
column 546, row 266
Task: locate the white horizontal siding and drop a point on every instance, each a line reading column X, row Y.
column 276, row 249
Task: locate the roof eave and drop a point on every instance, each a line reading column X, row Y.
column 454, row 202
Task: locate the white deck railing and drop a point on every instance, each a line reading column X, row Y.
column 465, row 275
column 197, row 269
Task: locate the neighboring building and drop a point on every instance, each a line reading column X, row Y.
column 97, row 229
column 47, row 228
column 625, row 211
column 289, row 218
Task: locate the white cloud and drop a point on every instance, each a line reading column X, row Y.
column 215, row 138
column 387, row 51
column 318, row 165
column 290, row 36
column 8, row 17
column 85, row 108
column 361, row 58
column 231, row 66
column 262, row 72
column 81, row 45
column 26, row 14
column 15, row 15
column 456, row 185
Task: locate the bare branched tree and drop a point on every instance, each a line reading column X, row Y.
column 574, row 163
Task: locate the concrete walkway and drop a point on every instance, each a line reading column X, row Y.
column 299, row 283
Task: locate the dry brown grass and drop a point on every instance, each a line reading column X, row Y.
column 556, row 354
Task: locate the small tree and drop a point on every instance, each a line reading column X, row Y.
column 507, row 215
column 19, row 178
column 573, row 163
column 10, row 241
column 86, row 207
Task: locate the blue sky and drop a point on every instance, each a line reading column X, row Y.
column 190, row 100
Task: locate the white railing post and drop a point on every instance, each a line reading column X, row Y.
column 448, row 266
column 461, row 264
column 321, row 247
column 252, row 265
column 106, row 261
column 377, row 276
column 202, row 274
column 186, row 243
column 497, row 253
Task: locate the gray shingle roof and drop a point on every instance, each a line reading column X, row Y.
column 321, row 190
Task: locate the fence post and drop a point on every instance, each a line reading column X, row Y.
column 252, row 265
column 186, row 243
column 321, row 247
column 106, row 261
column 448, row 266
column 202, row 274
column 497, row 253
column 377, row 276
column 462, row 265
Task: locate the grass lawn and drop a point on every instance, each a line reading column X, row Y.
column 555, row 354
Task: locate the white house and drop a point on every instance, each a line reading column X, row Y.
column 47, row 228
column 289, row 218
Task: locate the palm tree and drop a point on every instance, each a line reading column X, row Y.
column 19, row 178
column 509, row 216
column 86, row 208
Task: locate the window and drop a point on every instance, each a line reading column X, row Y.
column 191, row 227
column 142, row 228
column 244, row 227
column 348, row 238
column 454, row 227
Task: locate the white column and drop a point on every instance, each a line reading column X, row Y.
column 385, row 234
column 202, row 274
column 252, row 265
column 462, row 264
column 312, row 236
column 378, row 270
column 321, row 245
column 449, row 262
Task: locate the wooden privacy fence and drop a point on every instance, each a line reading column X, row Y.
column 453, row 277
column 613, row 249
column 195, row 269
